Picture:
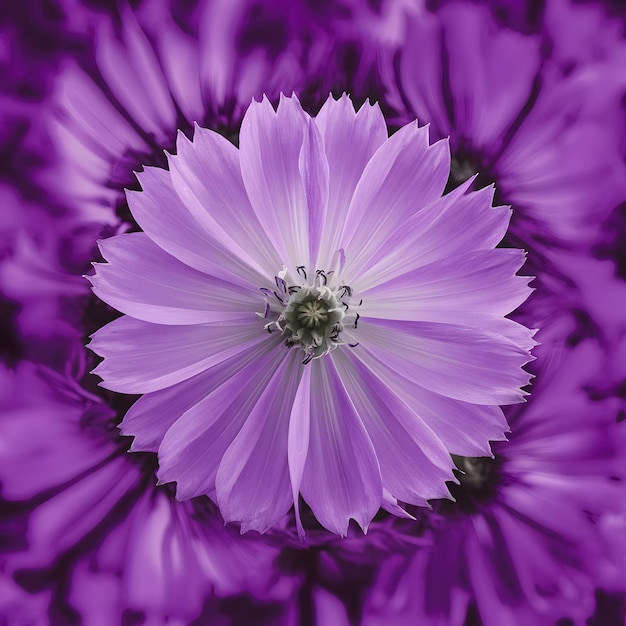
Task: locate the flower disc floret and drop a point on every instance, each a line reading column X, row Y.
column 312, row 315
column 378, row 350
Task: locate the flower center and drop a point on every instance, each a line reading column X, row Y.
column 312, row 311
column 477, row 471
column 479, row 478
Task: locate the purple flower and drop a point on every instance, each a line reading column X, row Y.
column 521, row 111
column 19, row 607
column 162, row 66
column 87, row 530
column 92, row 538
column 316, row 272
column 523, row 543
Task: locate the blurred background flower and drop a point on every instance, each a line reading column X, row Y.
column 531, row 94
column 522, row 544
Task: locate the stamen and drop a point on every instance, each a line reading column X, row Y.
column 311, row 316
column 320, row 273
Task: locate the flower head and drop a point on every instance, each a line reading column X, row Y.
column 524, row 111
column 308, row 315
column 523, row 542
column 85, row 524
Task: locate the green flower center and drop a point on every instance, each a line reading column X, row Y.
column 311, row 312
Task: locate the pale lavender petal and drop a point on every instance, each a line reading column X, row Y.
column 414, row 463
column 207, row 177
column 252, row 483
column 350, row 140
column 162, row 215
column 341, row 479
column 193, row 447
column 390, row 504
column 405, row 175
column 298, row 440
column 521, row 336
column 456, row 224
column 464, row 428
column 153, row 414
column 149, row 284
column 314, row 171
column 469, row 364
column 140, row 357
column 271, row 145
column 454, row 290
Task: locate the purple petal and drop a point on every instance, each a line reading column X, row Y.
column 341, row 479
column 350, row 141
column 62, row 521
column 456, row 224
column 566, row 144
column 207, row 177
column 252, row 481
column 454, row 290
column 165, row 559
column 179, row 57
column 140, row 357
column 481, row 58
column 465, row 429
column 147, row 283
column 167, row 221
column 464, row 363
column 91, row 136
column 193, row 447
column 314, row 170
column 414, row 463
column 39, row 426
column 133, row 74
column 405, row 175
column 271, row 148
column 488, row 70
column 298, row 441
column 154, row 413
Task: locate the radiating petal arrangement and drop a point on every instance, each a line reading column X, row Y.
column 317, row 393
column 313, row 313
